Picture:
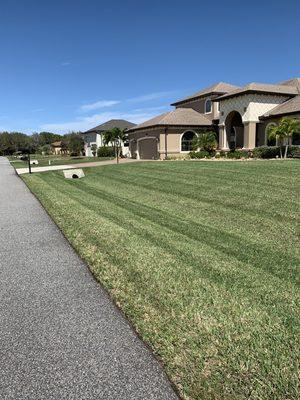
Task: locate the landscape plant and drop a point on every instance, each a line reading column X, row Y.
column 206, row 141
column 283, row 133
column 94, row 149
column 200, row 154
column 115, row 137
column 105, row 151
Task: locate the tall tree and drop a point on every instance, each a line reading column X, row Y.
column 75, row 143
column 48, row 138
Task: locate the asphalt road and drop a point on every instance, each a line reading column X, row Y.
column 60, row 335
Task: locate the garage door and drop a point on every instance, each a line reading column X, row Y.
column 148, row 149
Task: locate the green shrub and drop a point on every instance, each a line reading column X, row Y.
column 200, row 154
column 294, row 152
column 238, row 154
column 105, row 151
column 266, row 152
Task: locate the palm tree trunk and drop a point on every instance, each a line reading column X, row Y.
column 286, row 150
column 280, row 149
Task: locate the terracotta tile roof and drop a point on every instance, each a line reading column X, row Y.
column 113, row 123
column 290, row 106
column 179, row 117
column 217, row 88
column 282, row 89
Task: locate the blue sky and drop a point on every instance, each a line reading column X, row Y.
column 70, row 65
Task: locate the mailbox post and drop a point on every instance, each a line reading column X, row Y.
column 117, row 146
column 29, row 165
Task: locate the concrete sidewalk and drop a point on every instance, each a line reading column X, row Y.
column 60, row 335
column 21, row 171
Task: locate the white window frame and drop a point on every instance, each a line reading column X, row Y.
column 208, row 112
column 188, row 130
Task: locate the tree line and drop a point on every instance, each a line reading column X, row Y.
column 16, row 142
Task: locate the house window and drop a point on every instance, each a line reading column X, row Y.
column 296, row 139
column 187, row 141
column 269, row 142
column 208, row 106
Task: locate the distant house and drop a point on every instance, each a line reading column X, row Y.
column 240, row 116
column 95, row 135
column 58, row 148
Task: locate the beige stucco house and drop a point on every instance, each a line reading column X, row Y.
column 240, row 116
column 59, row 148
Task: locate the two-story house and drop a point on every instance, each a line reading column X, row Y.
column 240, row 116
column 94, row 136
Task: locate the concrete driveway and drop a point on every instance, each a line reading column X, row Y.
column 21, row 171
column 60, row 335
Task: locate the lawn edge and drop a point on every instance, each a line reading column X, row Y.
column 108, row 295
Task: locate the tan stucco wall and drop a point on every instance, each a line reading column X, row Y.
column 199, row 106
column 172, row 139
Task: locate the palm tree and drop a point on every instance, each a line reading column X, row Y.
column 114, row 136
column 283, row 132
column 206, row 141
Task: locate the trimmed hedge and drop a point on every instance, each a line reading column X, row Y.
column 238, row 154
column 105, row 151
column 294, row 152
column 200, row 154
column 266, row 152
column 274, row 151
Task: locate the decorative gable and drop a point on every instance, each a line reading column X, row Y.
column 250, row 106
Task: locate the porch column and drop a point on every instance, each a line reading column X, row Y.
column 162, row 145
column 249, row 135
column 223, row 142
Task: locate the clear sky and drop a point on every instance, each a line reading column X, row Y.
column 70, row 65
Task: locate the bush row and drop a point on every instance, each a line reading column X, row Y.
column 258, row 152
column 105, row 151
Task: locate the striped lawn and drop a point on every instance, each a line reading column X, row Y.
column 203, row 258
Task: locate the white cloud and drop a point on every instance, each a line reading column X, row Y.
column 85, row 123
column 98, row 104
column 151, row 96
column 65, row 63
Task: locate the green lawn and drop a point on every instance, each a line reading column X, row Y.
column 54, row 160
column 203, row 257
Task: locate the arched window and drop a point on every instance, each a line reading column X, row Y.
column 269, row 142
column 187, row 141
column 208, row 106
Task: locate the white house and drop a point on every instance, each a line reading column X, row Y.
column 95, row 135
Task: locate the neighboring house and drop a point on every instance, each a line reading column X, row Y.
column 240, row 116
column 95, row 135
column 58, row 148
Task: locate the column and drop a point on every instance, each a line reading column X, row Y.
column 162, row 142
column 223, row 142
column 249, row 135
